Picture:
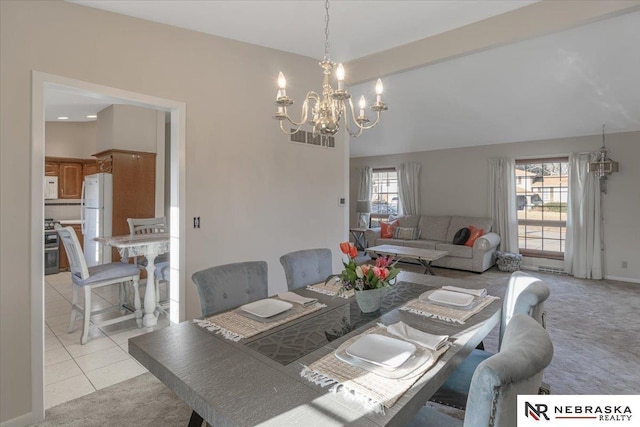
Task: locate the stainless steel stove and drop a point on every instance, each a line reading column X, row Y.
column 51, row 247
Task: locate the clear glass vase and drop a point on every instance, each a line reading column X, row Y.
column 369, row 300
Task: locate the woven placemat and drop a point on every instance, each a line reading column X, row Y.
column 234, row 326
column 332, row 288
column 373, row 391
column 448, row 314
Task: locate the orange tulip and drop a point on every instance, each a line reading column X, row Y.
column 344, row 247
column 353, row 251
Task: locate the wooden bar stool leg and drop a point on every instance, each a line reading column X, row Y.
column 136, row 303
column 87, row 315
column 74, row 309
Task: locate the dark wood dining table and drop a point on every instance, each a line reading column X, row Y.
column 256, row 381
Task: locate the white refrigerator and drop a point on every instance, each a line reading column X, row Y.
column 97, row 215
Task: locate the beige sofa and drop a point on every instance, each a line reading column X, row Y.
column 437, row 232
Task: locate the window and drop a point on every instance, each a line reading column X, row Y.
column 384, row 192
column 541, row 200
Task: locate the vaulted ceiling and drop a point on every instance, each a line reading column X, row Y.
column 556, row 82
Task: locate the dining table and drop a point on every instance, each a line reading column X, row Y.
column 149, row 245
column 261, row 380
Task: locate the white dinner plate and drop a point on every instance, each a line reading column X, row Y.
column 381, row 350
column 266, row 307
column 455, row 299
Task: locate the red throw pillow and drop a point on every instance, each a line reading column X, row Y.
column 474, row 233
column 386, row 229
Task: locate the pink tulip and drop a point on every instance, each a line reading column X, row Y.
column 382, row 262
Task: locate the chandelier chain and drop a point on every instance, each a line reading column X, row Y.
column 327, row 56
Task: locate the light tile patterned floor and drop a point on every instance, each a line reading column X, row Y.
column 73, row 370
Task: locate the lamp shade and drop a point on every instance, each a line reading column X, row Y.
column 363, row 206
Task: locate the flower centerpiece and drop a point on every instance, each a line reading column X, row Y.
column 370, row 282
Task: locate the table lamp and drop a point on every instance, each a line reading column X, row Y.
column 363, row 209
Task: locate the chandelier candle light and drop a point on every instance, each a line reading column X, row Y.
column 326, row 112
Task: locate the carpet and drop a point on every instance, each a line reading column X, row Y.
column 593, row 324
column 140, row 401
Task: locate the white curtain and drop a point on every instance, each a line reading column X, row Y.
column 409, row 188
column 364, row 192
column 502, row 202
column 583, row 249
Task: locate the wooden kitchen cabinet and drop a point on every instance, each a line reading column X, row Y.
column 70, row 180
column 51, row 168
column 134, row 187
column 90, row 167
column 70, row 173
column 63, row 259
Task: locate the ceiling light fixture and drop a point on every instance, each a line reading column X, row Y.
column 92, row 116
column 326, row 112
column 63, row 118
column 601, row 165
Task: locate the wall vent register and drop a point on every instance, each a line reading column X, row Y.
column 311, row 139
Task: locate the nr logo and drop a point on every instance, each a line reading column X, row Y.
column 536, row 411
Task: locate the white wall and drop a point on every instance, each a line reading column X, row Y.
column 257, row 194
column 128, row 127
column 455, row 182
column 70, row 139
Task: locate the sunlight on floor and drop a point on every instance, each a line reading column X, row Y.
column 73, row 370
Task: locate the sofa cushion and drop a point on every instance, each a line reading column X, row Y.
column 406, row 233
column 474, row 233
column 460, row 251
column 457, row 222
column 409, row 221
column 434, row 227
column 461, row 236
column 387, row 229
column 394, row 242
column 422, row 244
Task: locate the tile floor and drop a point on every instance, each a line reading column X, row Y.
column 73, row 370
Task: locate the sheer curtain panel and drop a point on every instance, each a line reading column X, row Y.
column 409, row 188
column 364, row 192
column 583, row 252
column 502, row 202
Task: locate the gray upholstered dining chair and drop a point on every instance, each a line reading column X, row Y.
column 532, row 304
column 161, row 262
column 525, row 295
column 89, row 278
column 517, row 369
column 306, row 267
column 224, row 287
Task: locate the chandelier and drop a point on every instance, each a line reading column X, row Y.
column 327, row 111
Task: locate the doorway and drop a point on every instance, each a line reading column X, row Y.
column 41, row 82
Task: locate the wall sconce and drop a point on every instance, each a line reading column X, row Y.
column 602, row 166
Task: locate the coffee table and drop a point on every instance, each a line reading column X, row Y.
column 423, row 256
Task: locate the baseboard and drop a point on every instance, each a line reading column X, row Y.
column 21, row 421
column 622, row 279
column 608, row 277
